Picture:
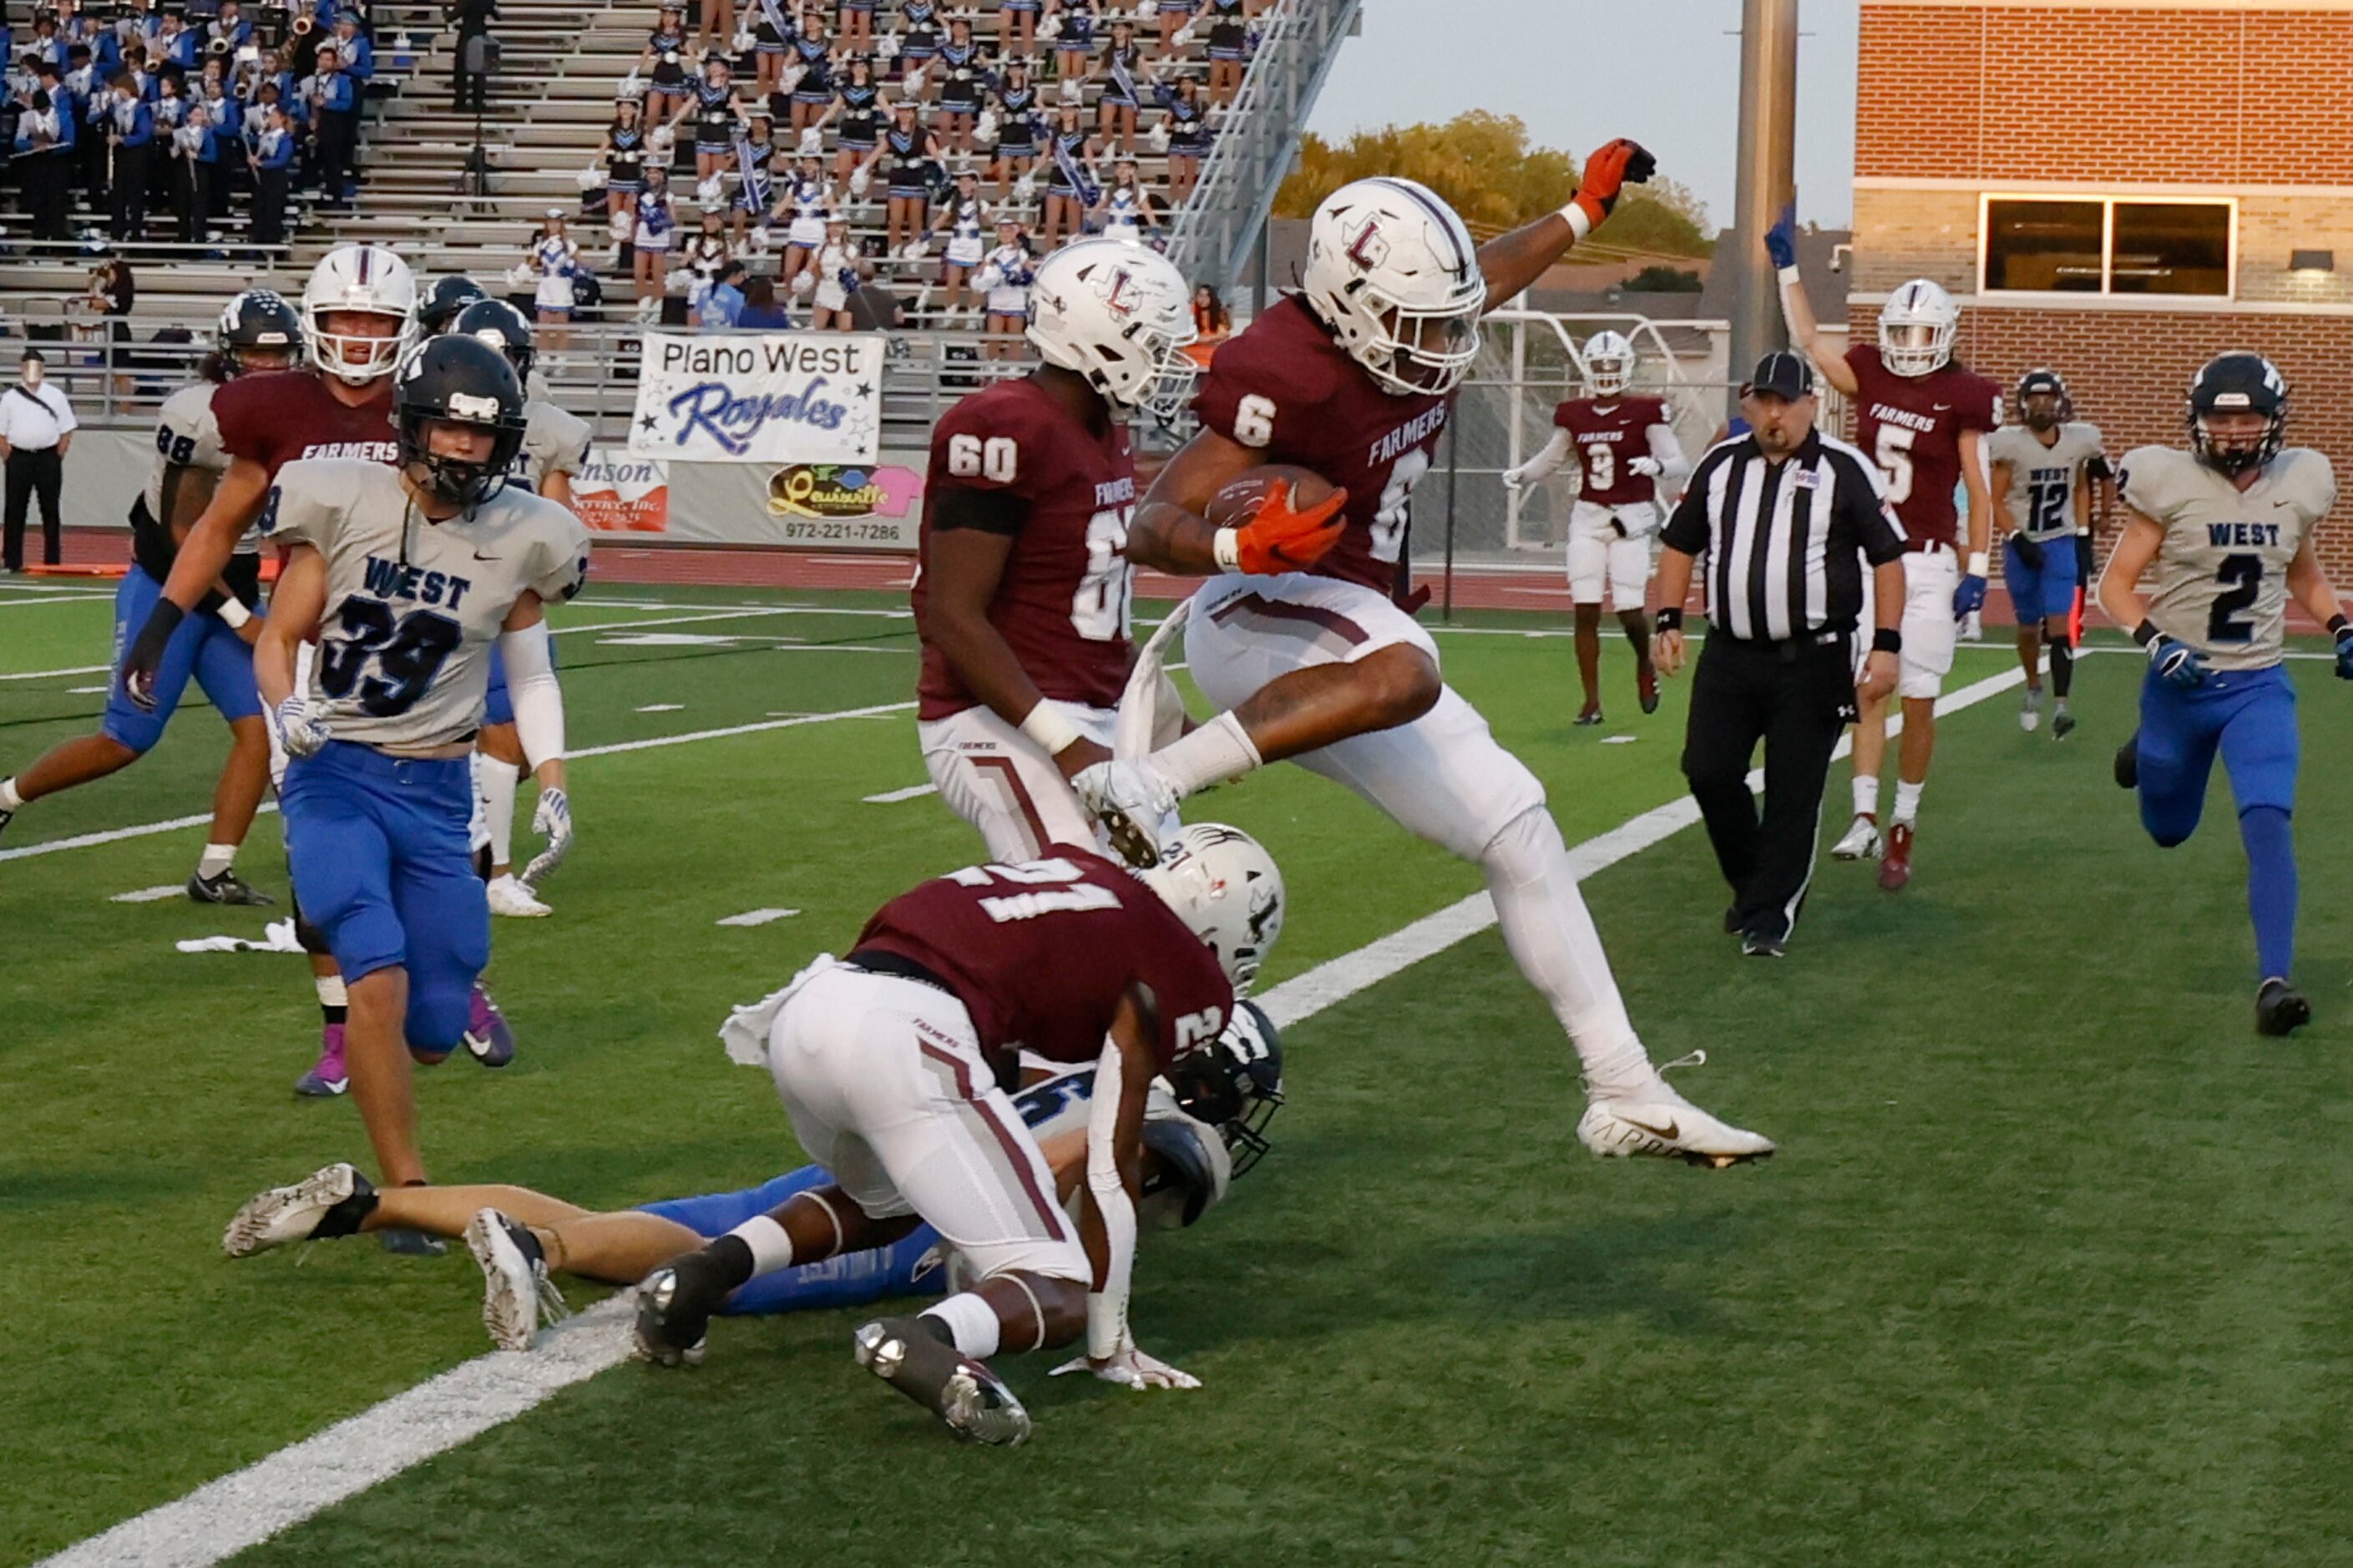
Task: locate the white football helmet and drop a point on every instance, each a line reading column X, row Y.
column 362, row 278
column 1394, row 274
column 1226, row 886
column 1120, row 316
column 1917, row 327
column 1609, row 363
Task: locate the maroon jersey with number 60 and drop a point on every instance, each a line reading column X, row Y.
column 1062, row 603
column 1911, row 427
column 1041, row 953
column 1608, row 436
column 279, row 417
column 1288, row 391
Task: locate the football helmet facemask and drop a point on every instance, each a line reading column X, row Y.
column 365, row 279
column 258, row 319
column 502, row 327
column 1609, row 363
column 1394, row 276
column 1225, row 886
column 1917, row 327
column 458, row 379
column 2039, row 384
column 2237, row 383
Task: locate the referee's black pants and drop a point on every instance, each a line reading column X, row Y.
column 1795, row 695
column 29, row 474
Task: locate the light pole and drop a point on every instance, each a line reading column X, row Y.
column 1768, row 105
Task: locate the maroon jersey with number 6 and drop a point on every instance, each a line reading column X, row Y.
column 1062, row 603
column 1286, row 389
column 1911, row 427
column 280, row 415
column 1041, row 953
column 1608, row 436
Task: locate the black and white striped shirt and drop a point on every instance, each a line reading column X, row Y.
column 1785, row 542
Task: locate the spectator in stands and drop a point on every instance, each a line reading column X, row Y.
column 1125, row 210
column 132, row 132
column 1070, row 188
column 44, row 44
column 272, row 161
column 1017, row 28
column 553, row 264
column 664, row 57
column 85, row 93
column 1123, row 75
column 471, row 89
column 1212, row 322
column 196, row 159
column 707, row 252
column 841, row 268
column 335, row 125
column 907, row 153
column 1017, row 128
column 804, row 203
column 761, row 312
column 176, row 43
column 655, row 226
column 358, row 53
column 964, row 219
column 229, row 28
column 44, row 152
column 1186, row 126
column 37, row 426
column 1005, row 279
column 721, row 304
column 226, row 117
column 964, row 77
column 758, row 162
column 1229, row 46
column 109, row 295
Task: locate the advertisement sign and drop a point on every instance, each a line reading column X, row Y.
column 615, row 492
column 772, row 398
column 850, row 506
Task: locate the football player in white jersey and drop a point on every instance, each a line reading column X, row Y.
column 555, row 447
column 2227, row 528
column 258, row 332
column 406, row 577
column 2044, row 473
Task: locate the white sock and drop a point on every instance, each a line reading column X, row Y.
column 1907, row 799
column 1551, row 938
column 216, row 858
column 972, row 1320
column 1218, row 751
column 331, row 991
column 9, row 799
column 771, row 1244
column 1866, row 795
column 494, row 780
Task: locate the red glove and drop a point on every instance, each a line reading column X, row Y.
column 1277, row 539
column 1616, row 164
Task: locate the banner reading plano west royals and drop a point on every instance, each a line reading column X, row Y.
column 759, row 397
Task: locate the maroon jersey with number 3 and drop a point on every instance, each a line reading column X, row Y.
column 1062, row 603
column 1608, row 436
column 1911, row 427
column 1288, row 391
column 1041, row 953
column 280, row 415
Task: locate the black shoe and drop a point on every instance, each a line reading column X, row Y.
column 228, row 888
column 1589, row 715
column 2128, row 763
column 1756, row 944
column 2062, row 722
column 2280, row 1008
column 674, row 1307
column 5, row 818
column 1733, row 924
column 913, row 1356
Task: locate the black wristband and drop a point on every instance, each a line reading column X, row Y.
column 2338, row 626
column 162, row 622
column 2146, row 633
column 1886, row 639
column 1670, row 619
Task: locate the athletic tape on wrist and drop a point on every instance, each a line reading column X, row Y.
column 1227, row 550
column 1046, row 725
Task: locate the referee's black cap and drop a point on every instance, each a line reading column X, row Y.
column 1782, row 373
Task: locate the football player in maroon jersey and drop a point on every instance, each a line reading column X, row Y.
column 1625, row 447
column 1306, row 649
column 895, row 1064
column 1022, row 598
column 1924, row 419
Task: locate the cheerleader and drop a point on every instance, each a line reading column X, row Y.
column 715, row 108
column 718, row 24
column 919, row 23
column 623, row 159
column 857, row 26
column 1188, row 134
column 1229, row 46
column 856, row 117
column 813, row 94
column 840, row 269
column 1071, row 153
column 806, row 204
column 755, row 188
column 655, row 227
column 964, row 218
column 1121, row 71
column 1128, row 211
column 1016, row 127
column 906, row 153
column 707, row 255
column 772, row 43
column 665, row 51
column 964, row 73
column 1016, row 27
column 553, row 261
column 1004, row 278
column 1074, row 36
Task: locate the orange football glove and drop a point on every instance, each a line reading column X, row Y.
column 1614, row 164
column 1277, row 539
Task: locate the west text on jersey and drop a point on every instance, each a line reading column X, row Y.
column 2228, row 535
column 404, row 580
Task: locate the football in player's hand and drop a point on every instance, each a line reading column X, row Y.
column 1238, row 502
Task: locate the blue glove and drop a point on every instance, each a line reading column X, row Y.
column 2344, row 654
column 1781, row 239
column 2185, row 667
column 1970, row 598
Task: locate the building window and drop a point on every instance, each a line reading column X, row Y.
column 2107, row 246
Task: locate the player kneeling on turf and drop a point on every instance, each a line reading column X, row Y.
column 890, row 1062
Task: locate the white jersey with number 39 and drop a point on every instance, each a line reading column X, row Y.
column 2222, row 572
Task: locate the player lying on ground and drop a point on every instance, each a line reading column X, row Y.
column 2228, row 527
column 258, row 332
column 520, row 1236
column 889, row 1063
column 2044, row 473
column 1298, row 639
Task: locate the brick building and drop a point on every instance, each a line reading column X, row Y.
column 2120, row 189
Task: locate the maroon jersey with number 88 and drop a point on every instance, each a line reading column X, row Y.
column 1041, row 953
column 1911, row 427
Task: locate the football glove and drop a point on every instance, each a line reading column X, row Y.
column 2030, row 553
column 1131, row 1368
column 1613, row 165
column 553, row 822
column 1970, row 596
column 300, row 731
column 2185, row 667
column 1514, row 479
column 1646, row 466
column 1781, row 239
column 146, row 656
column 1277, row 539
column 2345, row 653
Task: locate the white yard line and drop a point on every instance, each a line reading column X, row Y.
column 225, row 1517
column 756, row 916
column 47, row 674
column 890, row 797
column 50, row 599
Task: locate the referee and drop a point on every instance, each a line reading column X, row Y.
column 1786, row 517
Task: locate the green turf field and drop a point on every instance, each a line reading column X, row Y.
column 2053, row 1268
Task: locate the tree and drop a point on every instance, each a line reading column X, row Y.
column 1482, row 164
column 1658, row 280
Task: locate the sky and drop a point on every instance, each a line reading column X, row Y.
column 1665, row 72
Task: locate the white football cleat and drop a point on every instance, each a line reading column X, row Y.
column 509, row 897
column 2029, row 713
column 300, row 1213
column 1861, row 843
column 1131, row 800
column 516, row 1294
column 1661, row 1122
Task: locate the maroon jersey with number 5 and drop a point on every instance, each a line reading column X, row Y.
column 1911, row 427
column 279, row 417
column 1608, row 436
column 1062, row 603
column 1288, row 391
column 1041, row 953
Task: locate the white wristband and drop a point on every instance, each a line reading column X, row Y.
column 1788, row 275
column 1977, row 563
column 1581, row 223
column 1106, row 1326
column 233, row 614
column 1047, row 726
column 1227, row 550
